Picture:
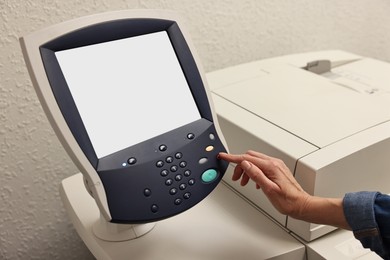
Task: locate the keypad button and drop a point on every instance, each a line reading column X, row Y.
column 163, row 148
column 132, row 160
column 169, row 159
column 174, row 168
column 168, row 182
column 212, row 137
column 160, row 164
column 178, row 177
column 147, row 192
column 190, row 136
column 203, row 160
column 173, row 191
column 178, row 155
column 178, row 201
column 154, row 208
column 209, row 148
column 182, row 186
column 191, row 182
column 209, row 175
column 187, row 195
column 183, row 164
column 164, row 172
column 187, row 173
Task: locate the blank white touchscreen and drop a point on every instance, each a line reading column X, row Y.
column 128, row 90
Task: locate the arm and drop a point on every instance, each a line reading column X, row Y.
column 283, row 191
column 365, row 213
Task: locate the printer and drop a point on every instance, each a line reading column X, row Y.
column 325, row 114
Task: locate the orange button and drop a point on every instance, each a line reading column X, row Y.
column 209, row 148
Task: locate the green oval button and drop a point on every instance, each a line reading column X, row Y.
column 209, row 175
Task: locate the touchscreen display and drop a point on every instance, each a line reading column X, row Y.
column 128, row 90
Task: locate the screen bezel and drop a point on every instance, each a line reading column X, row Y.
column 105, row 32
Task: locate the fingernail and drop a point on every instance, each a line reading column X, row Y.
column 218, row 157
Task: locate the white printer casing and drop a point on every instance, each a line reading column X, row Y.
column 330, row 125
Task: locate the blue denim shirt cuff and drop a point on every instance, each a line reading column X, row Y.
column 360, row 215
column 359, row 211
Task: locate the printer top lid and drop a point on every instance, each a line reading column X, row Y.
column 320, row 109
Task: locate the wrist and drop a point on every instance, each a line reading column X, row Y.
column 304, row 207
column 326, row 211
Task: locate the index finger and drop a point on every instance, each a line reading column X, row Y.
column 231, row 157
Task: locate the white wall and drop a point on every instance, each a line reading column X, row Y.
column 33, row 224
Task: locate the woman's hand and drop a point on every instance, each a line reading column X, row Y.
column 284, row 192
column 273, row 177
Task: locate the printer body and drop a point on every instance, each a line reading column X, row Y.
column 325, row 114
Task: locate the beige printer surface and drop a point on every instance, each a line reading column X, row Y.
column 331, row 125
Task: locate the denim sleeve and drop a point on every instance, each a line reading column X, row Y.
column 366, row 213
